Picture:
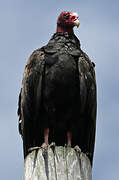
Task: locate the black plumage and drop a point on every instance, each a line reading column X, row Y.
column 58, row 92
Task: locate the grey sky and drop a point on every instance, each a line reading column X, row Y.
column 27, row 25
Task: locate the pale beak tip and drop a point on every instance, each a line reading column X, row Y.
column 77, row 23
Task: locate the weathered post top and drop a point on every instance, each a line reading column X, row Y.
column 60, row 163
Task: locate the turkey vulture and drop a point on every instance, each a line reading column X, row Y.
column 58, row 94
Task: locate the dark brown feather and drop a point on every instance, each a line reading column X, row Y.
column 59, row 92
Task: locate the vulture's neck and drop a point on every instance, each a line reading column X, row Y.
column 63, row 29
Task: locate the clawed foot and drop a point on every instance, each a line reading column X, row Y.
column 77, row 148
column 33, row 149
column 44, row 146
column 67, row 145
column 52, row 145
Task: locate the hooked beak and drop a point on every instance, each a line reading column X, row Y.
column 77, row 23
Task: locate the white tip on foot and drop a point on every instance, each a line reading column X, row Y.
column 52, row 145
column 33, row 149
column 44, row 146
column 77, row 148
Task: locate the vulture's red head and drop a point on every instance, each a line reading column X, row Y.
column 66, row 21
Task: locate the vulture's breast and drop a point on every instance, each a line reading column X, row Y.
column 61, row 81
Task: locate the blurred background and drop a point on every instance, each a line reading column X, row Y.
column 28, row 25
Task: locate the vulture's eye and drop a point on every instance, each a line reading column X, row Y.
column 66, row 16
column 73, row 17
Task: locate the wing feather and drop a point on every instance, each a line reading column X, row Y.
column 88, row 99
column 30, row 97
